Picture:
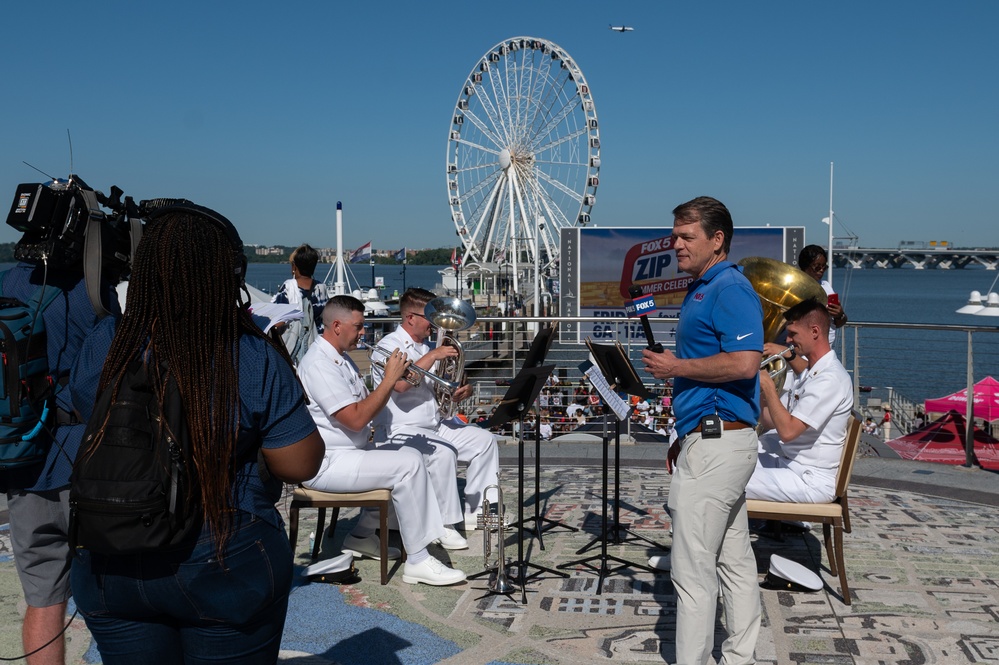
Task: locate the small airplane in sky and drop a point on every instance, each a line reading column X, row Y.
column 621, row 28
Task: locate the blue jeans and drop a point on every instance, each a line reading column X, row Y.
column 176, row 608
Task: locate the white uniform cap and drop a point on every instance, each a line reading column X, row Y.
column 790, row 576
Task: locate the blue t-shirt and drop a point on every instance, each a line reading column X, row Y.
column 69, row 319
column 273, row 412
column 721, row 313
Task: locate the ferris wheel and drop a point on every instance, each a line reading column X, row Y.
column 523, row 153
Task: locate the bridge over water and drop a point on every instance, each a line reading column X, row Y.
column 938, row 258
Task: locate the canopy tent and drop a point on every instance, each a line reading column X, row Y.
column 986, row 395
column 943, row 441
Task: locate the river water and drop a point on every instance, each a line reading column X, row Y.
column 916, row 364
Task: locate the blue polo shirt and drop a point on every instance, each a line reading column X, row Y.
column 720, row 314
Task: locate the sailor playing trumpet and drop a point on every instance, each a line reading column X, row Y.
column 342, row 408
column 413, row 415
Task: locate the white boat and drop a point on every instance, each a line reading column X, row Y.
column 373, row 305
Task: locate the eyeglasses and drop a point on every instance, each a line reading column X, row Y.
column 422, row 316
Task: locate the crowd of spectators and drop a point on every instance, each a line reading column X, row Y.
column 566, row 407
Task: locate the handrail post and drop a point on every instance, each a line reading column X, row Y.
column 856, row 367
column 969, row 411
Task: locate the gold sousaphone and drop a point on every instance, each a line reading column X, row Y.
column 780, row 287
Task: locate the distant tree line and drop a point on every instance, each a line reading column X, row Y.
column 422, row 257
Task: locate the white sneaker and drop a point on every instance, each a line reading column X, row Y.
column 452, row 540
column 431, row 571
column 660, row 561
column 369, row 546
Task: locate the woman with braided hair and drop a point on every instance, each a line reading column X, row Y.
column 224, row 598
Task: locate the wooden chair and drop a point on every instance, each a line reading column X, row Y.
column 834, row 516
column 306, row 498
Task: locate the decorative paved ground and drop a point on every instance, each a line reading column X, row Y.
column 922, row 569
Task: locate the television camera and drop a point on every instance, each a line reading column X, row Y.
column 64, row 226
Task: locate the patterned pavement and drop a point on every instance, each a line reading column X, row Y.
column 922, row 569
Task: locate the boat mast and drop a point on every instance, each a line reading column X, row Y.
column 338, row 288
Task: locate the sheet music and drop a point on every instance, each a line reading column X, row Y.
column 620, row 408
column 275, row 313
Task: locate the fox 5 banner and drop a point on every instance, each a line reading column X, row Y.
column 598, row 265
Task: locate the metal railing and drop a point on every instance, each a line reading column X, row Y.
column 893, row 364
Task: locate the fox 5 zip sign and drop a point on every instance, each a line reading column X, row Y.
column 599, row 264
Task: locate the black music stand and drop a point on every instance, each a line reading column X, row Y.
column 521, row 394
column 535, row 357
column 621, row 376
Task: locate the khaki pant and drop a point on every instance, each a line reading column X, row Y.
column 711, row 546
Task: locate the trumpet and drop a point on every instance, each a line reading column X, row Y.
column 413, row 374
column 779, row 368
column 488, row 521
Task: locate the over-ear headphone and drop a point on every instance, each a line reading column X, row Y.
column 166, row 206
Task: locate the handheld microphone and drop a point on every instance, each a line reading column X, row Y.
column 644, row 304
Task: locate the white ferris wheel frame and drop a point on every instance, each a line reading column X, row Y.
column 523, row 125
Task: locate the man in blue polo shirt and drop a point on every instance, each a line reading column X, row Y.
column 719, row 342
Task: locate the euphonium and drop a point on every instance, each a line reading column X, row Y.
column 490, row 521
column 449, row 315
column 414, row 374
column 780, row 287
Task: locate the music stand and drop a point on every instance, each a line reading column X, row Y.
column 536, row 357
column 523, row 391
column 621, row 376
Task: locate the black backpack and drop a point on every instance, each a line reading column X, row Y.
column 138, row 489
column 26, row 389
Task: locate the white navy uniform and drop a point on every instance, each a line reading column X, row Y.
column 352, row 464
column 413, row 415
column 804, row 470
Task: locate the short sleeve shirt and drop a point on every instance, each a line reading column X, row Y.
column 415, row 407
column 721, row 313
column 332, row 382
column 822, row 398
column 272, row 410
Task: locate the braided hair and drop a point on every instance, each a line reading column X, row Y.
column 183, row 308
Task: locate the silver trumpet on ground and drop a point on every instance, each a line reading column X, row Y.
column 449, row 315
column 413, row 374
column 490, row 521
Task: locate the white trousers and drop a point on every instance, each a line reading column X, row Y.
column 777, row 479
column 457, row 441
column 400, row 469
column 707, row 503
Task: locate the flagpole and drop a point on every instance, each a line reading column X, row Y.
column 830, row 259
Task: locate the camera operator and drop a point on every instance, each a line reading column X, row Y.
column 38, row 495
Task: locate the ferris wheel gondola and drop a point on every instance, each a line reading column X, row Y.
column 523, row 153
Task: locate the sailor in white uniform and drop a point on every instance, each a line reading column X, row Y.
column 799, row 458
column 342, row 408
column 412, row 415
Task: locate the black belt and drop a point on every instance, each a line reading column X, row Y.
column 726, row 425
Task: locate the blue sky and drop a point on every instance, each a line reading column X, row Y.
column 272, row 112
